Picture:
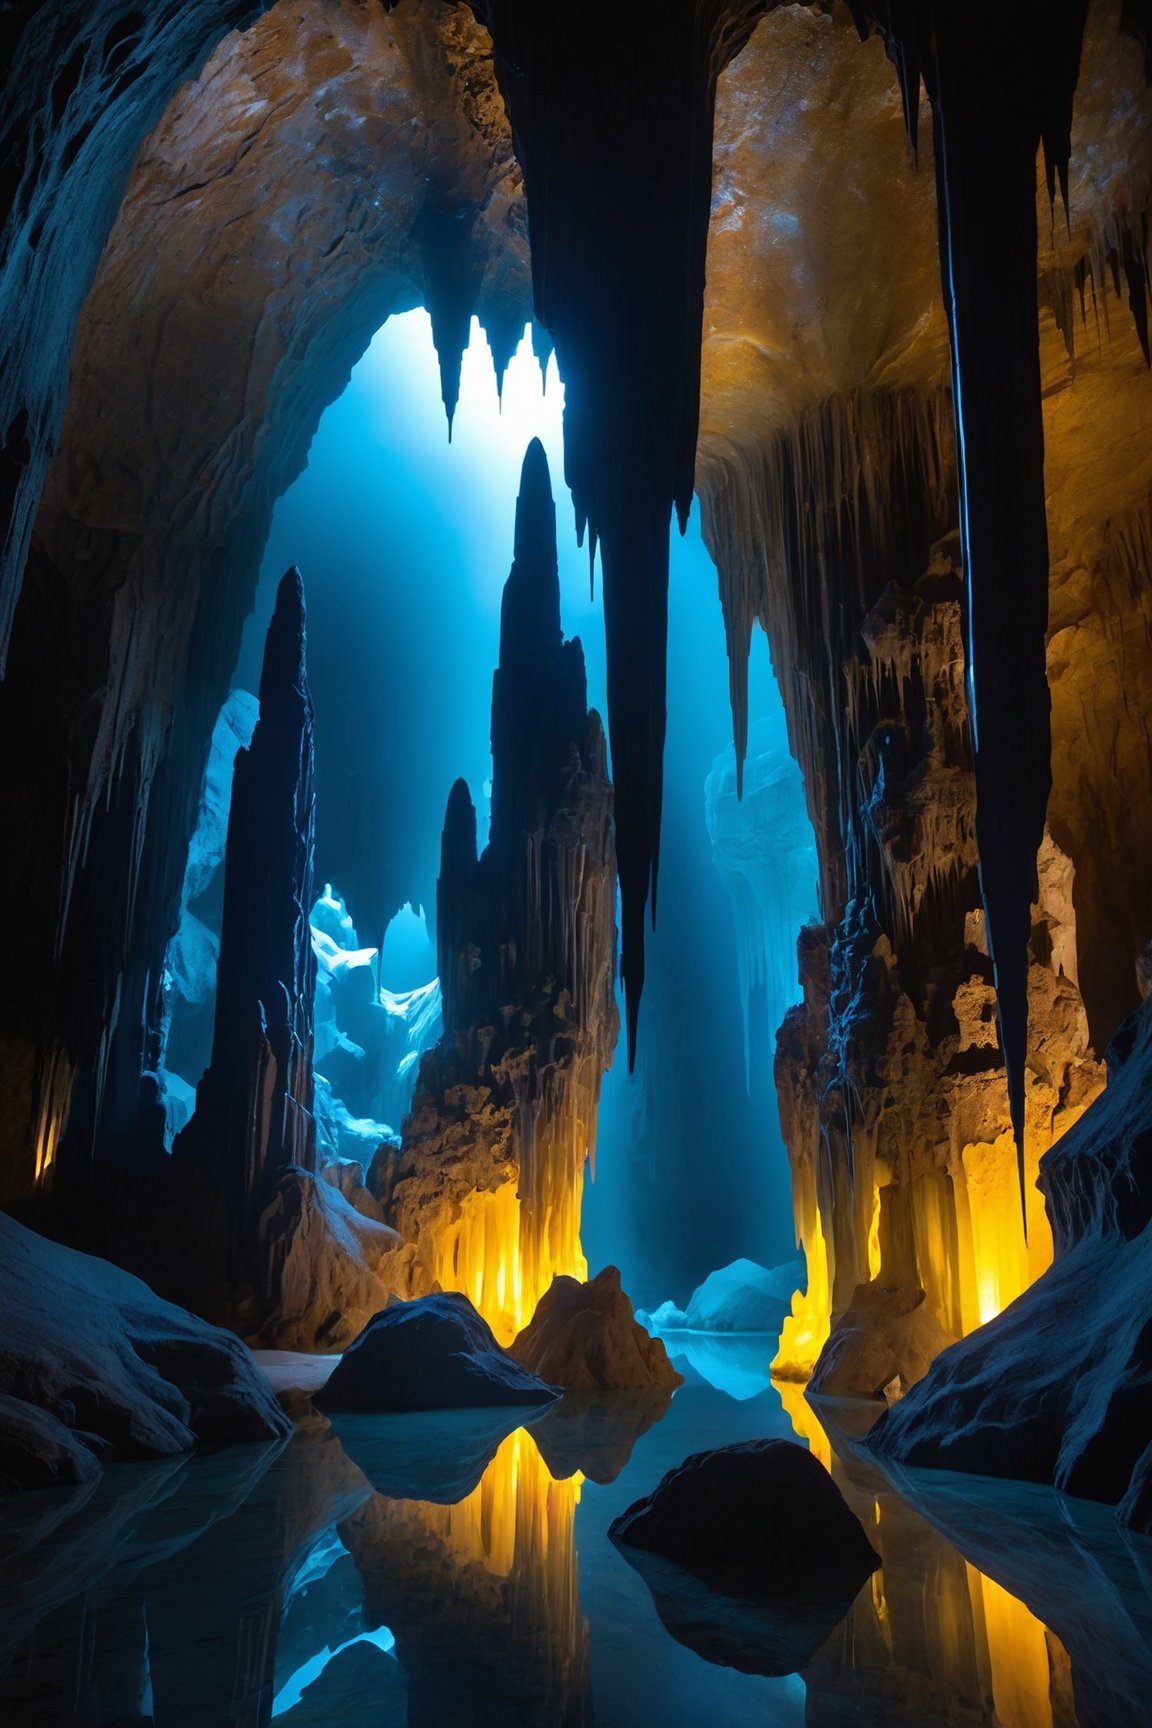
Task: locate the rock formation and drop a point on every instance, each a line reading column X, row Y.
column 1058, row 1388
column 847, row 496
column 435, row 1353
column 489, row 1177
column 231, row 300
column 891, row 1081
column 766, row 1509
column 583, row 1337
column 302, row 170
column 270, row 1246
column 94, row 1367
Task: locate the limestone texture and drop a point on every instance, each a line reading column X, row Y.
column 488, row 1181
column 434, row 1353
column 1058, row 1387
column 584, row 1337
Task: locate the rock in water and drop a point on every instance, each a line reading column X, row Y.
column 763, row 1515
column 432, row 1354
column 91, row 1358
column 37, row 1451
column 583, row 1337
column 751, row 1554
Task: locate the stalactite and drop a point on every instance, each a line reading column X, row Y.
column 489, row 1179
column 622, row 300
column 991, row 112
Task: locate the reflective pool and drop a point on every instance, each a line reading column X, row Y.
column 456, row 1569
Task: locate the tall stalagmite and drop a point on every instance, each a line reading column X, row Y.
column 265, row 1242
column 489, row 1179
column 253, row 1118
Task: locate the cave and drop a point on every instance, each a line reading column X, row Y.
column 576, row 771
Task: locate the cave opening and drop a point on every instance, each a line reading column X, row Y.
column 403, row 536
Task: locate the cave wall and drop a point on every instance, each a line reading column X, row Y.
column 231, row 301
column 827, row 468
column 828, row 495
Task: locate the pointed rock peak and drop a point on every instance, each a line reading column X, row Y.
column 459, row 837
column 285, row 645
column 535, row 510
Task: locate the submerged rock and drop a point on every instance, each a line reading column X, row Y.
column 756, row 1635
column 583, row 1337
column 91, row 1358
column 435, row 1353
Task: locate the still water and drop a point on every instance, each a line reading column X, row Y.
column 455, row 1570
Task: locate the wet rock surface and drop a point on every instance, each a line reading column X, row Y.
column 432, row 1353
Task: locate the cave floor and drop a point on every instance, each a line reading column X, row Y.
column 456, row 1569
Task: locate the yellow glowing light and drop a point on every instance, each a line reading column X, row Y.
column 516, row 1515
column 874, row 1236
column 805, row 1422
column 996, row 1262
column 503, row 1255
column 55, row 1101
column 1018, row 1655
column 805, row 1331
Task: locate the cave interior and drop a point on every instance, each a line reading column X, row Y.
column 576, row 771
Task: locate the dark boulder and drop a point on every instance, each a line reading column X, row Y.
column 751, row 1554
column 37, row 1451
column 763, row 1514
column 125, row 1373
column 432, row 1354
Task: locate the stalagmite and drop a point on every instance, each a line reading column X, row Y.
column 489, row 1178
column 264, row 1243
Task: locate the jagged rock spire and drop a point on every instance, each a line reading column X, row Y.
column 489, row 1178
column 253, row 1115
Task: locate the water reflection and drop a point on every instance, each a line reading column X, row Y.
column 445, row 1570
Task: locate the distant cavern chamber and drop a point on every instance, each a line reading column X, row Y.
column 869, row 282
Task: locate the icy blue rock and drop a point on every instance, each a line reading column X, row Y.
column 368, row 1040
column 742, row 1297
column 192, row 955
column 232, row 732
